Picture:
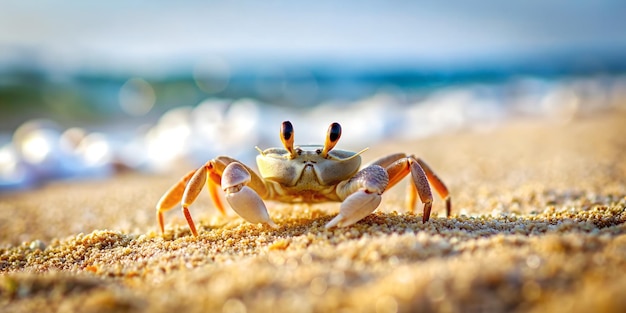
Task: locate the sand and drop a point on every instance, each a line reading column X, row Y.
column 539, row 211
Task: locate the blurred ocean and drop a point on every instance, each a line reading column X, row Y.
column 88, row 90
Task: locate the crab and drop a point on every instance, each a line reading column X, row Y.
column 305, row 174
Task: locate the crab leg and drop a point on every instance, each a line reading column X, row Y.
column 436, row 182
column 171, row 198
column 192, row 190
column 421, row 175
column 389, row 159
column 403, row 167
column 361, row 195
column 188, row 188
column 243, row 199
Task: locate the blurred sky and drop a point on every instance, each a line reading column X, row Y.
column 157, row 36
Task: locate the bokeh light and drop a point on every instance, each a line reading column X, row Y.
column 137, row 97
column 212, row 74
column 95, row 150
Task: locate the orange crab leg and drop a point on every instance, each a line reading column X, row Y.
column 189, row 187
column 171, row 198
column 388, row 160
column 213, row 185
column 192, row 190
column 399, row 165
column 436, row 182
column 399, row 169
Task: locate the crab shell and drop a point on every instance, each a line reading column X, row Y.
column 309, row 167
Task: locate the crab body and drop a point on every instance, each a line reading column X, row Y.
column 308, row 174
column 309, row 177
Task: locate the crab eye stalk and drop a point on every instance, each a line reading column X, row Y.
column 286, row 136
column 334, row 132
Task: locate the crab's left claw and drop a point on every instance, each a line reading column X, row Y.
column 243, row 199
column 357, row 206
column 361, row 194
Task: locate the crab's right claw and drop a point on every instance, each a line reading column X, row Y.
column 243, row 199
column 357, row 206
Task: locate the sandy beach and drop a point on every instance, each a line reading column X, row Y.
column 538, row 225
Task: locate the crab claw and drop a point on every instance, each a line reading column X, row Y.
column 243, row 199
column 357, row 206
